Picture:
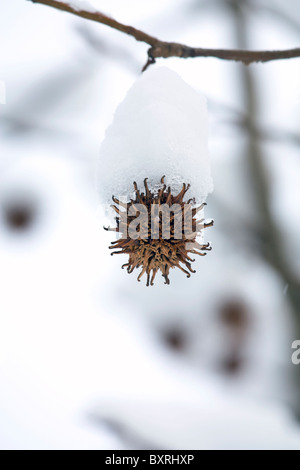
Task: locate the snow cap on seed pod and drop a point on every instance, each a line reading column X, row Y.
column 159, row 129
column 157, row 145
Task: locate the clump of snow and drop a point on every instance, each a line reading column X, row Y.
column 159, row 129
column 82, row 5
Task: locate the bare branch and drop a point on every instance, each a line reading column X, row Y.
column 164, row 49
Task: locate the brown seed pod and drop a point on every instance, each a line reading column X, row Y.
column 167, row 231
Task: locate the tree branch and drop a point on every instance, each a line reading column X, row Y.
column 164, row 49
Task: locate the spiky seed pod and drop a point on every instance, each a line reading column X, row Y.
column 158, row 246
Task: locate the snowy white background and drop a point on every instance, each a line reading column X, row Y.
column 89, row 358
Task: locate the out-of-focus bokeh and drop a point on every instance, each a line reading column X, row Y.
column 89, row 358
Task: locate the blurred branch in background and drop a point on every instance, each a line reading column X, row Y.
column 164, row 49
column 283, row 17
column 113, row 52
column 272, row 240
column 236, row 118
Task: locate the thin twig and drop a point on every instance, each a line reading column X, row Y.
column 164, row 49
